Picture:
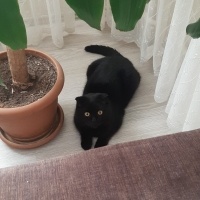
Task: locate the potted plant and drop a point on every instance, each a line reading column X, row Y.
column 38, row 122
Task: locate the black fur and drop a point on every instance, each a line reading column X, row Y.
column 111, row 83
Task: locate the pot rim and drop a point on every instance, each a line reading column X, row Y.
column 50, row 96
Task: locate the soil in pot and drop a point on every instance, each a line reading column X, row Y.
column 43, row 77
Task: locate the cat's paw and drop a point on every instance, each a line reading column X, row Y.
column 86, row 145
column 101, row 143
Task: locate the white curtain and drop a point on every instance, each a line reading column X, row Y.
column 47, row 18
column 160, row 34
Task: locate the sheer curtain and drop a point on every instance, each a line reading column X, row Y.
column 160, row 34
column 47, row 18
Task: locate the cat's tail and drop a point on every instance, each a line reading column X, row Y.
column 103, row 50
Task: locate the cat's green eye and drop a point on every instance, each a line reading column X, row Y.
column 87, row 114
column 100, row 112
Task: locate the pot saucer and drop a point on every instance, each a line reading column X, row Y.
column 58, row 123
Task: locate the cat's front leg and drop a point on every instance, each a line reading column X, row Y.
column 101, row 141
column 86, row 142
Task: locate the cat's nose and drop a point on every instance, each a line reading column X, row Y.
column 94, row 119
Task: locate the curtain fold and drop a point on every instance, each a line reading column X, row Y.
column 172, row 57
column 184, row 104
column 179, row 72
column 47, row 18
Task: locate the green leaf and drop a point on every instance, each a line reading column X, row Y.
column 194, row 29
column 12, row 28
column 126, row 13
column 88, row 10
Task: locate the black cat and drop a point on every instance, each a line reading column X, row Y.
column 111, row 83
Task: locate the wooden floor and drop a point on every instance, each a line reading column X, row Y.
column 144, row 117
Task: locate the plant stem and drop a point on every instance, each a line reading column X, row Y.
column 18, row 68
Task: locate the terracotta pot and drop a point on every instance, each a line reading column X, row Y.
column 35, row 124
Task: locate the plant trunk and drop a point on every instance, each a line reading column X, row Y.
column 18, row 68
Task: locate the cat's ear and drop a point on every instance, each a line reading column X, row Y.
column 104, row 98
column 80, row 100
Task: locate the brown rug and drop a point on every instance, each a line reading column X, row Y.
column 162, row 168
